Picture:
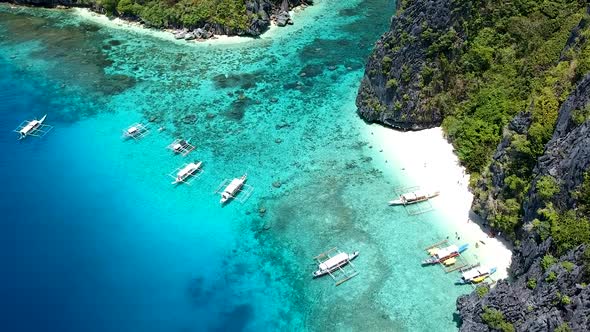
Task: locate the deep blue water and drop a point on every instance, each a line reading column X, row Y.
column 94, row 238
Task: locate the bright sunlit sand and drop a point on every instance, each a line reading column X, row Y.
column 429, row 161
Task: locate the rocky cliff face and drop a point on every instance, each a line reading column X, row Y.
column 457, row 61
column 539, row 300
column 404, row 62
column 543, row 299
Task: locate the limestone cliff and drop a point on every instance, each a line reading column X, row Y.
column 510, row 84
column 544, row 298
column 405, row 60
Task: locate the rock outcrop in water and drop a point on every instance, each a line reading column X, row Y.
column 511, row 86
column 192, row 21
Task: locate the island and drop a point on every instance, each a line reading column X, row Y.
column 509, row 82
column 188, row 19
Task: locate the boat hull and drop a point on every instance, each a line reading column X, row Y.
column 403, row 201
column 180, row 179
column 477, row 279
column 434, row 259
column 229, row 193
column 320, row 273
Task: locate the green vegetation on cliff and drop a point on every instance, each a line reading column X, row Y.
column 495, row 75
column 495, row 320
column 177, row 13
column 511, row 62
column 516, row 57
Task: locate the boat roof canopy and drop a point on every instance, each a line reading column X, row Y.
column 330, row 263
column 233, row 185
column 447, row 251
column 409, row 196
column 187, row 169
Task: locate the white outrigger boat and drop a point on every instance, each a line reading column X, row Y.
column 33, row 128
column 476, row 274
column 333, row 263
column 136, row 131
column 181, row 146
column 414, row 197
column 187, row 171
column 232, row 188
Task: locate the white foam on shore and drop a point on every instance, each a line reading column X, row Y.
column 428, row 160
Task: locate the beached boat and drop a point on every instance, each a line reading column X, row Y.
column 476, row 274
column 414, row 197
column 334, row 263
column 232, row 189
column 450, row 261
column 187, row 171
column 30, row 127
column 440, row 255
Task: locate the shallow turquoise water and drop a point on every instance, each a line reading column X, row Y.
column 127, row 251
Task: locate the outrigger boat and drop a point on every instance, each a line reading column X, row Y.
column 476, row 275
column 136, row 131
column 180, row 145
column 334, row 263
column 132, row 131
column 31, row 127
column 187, row 171
column 440, row 255
column 232, row 189
column 414, row 197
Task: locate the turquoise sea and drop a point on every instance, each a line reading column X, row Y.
column 94, row 238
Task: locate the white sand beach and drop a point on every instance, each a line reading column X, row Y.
column 429, row 161
column 137, row 27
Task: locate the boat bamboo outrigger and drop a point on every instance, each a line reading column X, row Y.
column 181, row 146
column 187, row 173
column 476, row 274
column 233, row 188
column 441, row 255
column 33, row 127
column 136, row 131
column 414, row 197
column 328, row 264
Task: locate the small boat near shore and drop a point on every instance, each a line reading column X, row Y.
column 232, row 189
column 187, row 171
column 441, row 255
column 414, row 197
column 476, row 275
column 335, row 262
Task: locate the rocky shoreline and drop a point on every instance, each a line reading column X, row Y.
column 259, row 13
